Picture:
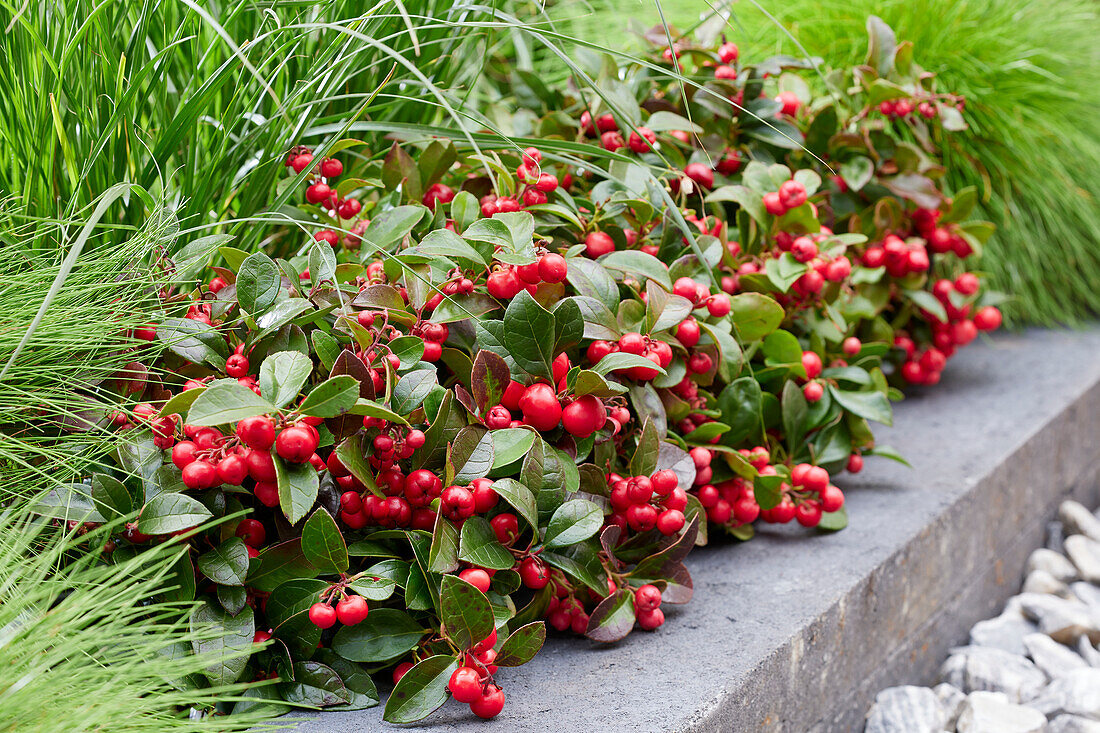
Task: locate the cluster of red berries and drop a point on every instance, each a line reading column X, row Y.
column 536, row 183
column 657, row 351
column 902, row 108
column 320, row 192
column 349, row 610
column 899, row 256
column 642, row 503
column 505, row 281
column 164, row 428
column 813, row 390
column 473, row 682
column 543, row 410
column 791, row 195
column 924, row 366
column 647, row 607
column 941, row 240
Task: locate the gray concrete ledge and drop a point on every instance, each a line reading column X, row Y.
column 796, row 632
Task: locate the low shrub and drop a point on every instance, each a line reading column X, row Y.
column 507, row 386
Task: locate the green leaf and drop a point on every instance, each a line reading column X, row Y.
column 795, row 409
column 926, row 301
column 282, row 375
column 740, row 403
column 749, row 200
column 638, row 264
column 644, row 460
column 364, row 406
column 332, row 397
column 868, row 405
column 755, row 315
column 857, row 172
column 386, row 633
column 315, row 685
column 325, row 346
column 359, row 685
column 478, row 545
column 276, row 564
column 781, row 348
column 194, row 341
column 510, row 444
column 231, row 645
column 623, row 360
column 421, row 691
column 409, row 349
column 322, row 263
column 111, row 496
column 298, row 485
column 521, row 645
column 519, row 497
column 168, row 513
column 323, row 544
column 465, row 210
column 411, row 389
column 613, row 618
column 574, row 521
column 590, row 278
column 226, row 564
column 472, row 454
column 465, row 612
column 258, row 283
column 528, row 330
column 227, row 401
column 445, row 243
column 443, row 556
column 783, row 272
column 390, row 227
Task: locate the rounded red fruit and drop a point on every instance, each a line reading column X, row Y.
column 540, row 406
column 322, row 615
column 533, row 573
column 476, row 577
column 257, row 432
column 584, row 416
column 465, row 684
column 489, row 704
column 553, row 268
column 597, row 244
column 351, row 610
column 296, row 444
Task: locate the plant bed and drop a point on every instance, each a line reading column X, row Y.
column 499, row 391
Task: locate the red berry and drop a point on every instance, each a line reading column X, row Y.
column 183, row 453
column 670, row 521
column 808, row 513
column 296, row 444
column 257, row 432
column 489, row 704
column 988, row 318
column 232, row 470
column 773, row 204
column 351, row 610
column 331, row 168
column 792, row 194
column 584, row 416
column 533, row 573
column 540, row 406
column 505, row 527
column 597, row 244
column 300, row 162
column 400, row 670
column 236, row 366
column 647, row 597
column 612, row 140
column 465, row 684
column 832, row 499
column 317, row 193
column 503, row 284
column 728, row 52
column 553, row 268
column 650, row 620
column 851, row 346
column 718, row 305
column 790, row 102
column 476, row 577
column 322, row 615
column 664, row 482
column 642, row 140
column 200, row 475
column 855, row 463
column 811, row 362
column 701, row 174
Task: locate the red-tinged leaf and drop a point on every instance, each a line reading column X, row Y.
column 613, row 618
